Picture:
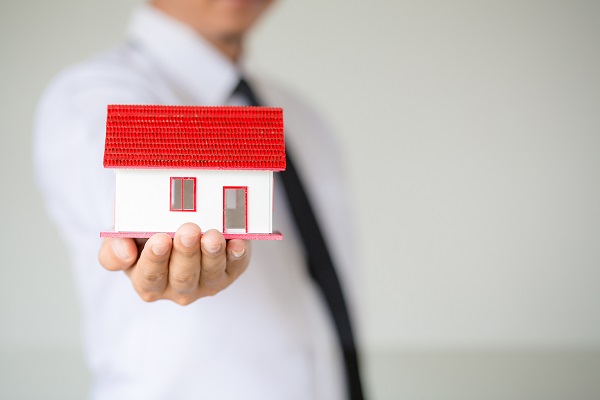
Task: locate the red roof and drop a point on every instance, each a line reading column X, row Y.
column 150, row 136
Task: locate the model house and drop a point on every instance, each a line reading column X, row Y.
column 209, row 165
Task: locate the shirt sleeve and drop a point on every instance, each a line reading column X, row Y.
column 69, row 135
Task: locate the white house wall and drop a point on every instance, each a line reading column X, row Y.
column 142, row 202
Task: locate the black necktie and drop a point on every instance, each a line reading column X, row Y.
column 320, row 263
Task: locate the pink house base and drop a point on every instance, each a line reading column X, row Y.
column 146, row 235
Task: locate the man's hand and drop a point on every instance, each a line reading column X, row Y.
column 183, row 269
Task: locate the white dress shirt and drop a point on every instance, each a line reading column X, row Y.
column 268, row 336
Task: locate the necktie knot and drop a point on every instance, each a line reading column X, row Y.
column 244, row 89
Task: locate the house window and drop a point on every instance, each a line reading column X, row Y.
column 183, row 194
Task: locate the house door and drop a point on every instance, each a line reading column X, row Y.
column 235, row 203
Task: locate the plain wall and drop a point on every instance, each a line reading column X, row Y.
column 471, row 136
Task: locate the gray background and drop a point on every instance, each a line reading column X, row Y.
column 471, row 132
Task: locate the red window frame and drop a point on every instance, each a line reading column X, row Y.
column 182, row 179
column 245, row 205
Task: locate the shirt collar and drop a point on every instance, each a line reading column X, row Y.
column 188, row 60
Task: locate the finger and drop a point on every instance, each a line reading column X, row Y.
column 150, row 277
column 214, row 262
column 184, row 266
column 117, row 253
column 238, row 257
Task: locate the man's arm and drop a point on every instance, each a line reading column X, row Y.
column 79, row 193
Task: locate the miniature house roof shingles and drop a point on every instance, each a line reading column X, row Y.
column 236, row 138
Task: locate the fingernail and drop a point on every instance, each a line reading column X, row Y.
column 189, row 240
column 120, row 249
column 212, row 248
column 238, row 253
column 160, row 249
